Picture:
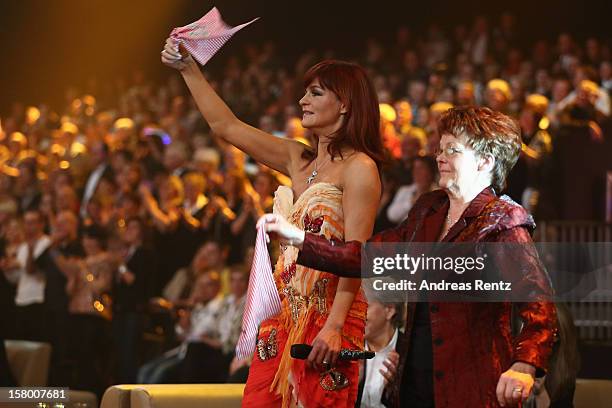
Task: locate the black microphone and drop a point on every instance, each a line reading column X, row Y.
column 301, row 352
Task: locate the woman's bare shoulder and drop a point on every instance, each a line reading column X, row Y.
column 359, row 164
column 359, row 169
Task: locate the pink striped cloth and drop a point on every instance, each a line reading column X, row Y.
column 206, row 36
column 262, row 300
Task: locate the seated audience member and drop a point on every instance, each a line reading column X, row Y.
column 230, row 324
column 381, row 336
column 196, row 321
column 210, row 257
column 215, row 350
column 424, row 173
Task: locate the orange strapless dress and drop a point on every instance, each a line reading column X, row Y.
column 275, row 379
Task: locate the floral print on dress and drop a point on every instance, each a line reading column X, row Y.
column 288, row 273
column 313, row 225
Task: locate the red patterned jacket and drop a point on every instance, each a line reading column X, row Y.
column 472, row 342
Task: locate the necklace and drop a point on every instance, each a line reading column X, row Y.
column 314, row 173
column 447, row 227
column 312, row 176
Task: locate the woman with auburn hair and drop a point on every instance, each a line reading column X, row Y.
column 337, row 189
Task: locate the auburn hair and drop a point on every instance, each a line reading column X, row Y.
column 360, row 129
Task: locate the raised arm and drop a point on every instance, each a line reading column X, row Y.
column 165, row 221
column 274, row 152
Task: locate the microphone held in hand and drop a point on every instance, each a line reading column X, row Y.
column 301, row 352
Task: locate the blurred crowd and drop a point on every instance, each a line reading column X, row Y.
column 127, row 228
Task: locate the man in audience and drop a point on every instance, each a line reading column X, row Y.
column 132, row 288
column 101, row 168
column 215, row 350
column 197, row 320
column 65, row 242
column 382, row 336
column 210, row 257
column 30, row 297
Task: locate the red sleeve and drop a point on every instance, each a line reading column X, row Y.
column 341, row 258
column 534, row 343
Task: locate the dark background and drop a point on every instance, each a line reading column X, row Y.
column 48, row 45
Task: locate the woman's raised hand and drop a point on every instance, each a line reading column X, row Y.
column 175, row 55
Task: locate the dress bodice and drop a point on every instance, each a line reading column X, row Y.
column 317, row 210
